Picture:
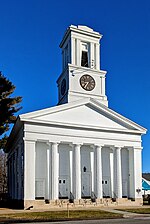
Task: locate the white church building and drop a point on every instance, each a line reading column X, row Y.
column 79, row 151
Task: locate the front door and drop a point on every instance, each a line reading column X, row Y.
column 86, row 184
column 106, row 187
column 63, row 187
column 125, row 188
column 39, row 189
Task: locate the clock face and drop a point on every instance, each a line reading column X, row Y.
column 63, row 87
column 87, row 82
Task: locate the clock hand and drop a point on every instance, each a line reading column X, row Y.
column 86, row 84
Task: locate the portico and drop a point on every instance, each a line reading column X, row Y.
column 63, row 170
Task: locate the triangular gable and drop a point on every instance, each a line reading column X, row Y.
column 87, row 112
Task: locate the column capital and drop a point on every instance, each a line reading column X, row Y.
column 137, row 148
column 118, row 147
column 29, row 140
column 48, row 143
column 98, row 146
column 77, row 144
column 54, row 143
column 71, row 145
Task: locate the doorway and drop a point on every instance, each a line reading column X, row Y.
column 125, row 188
column 106, row 187
column 63, row 187
column 39, row 189
column 86, row 185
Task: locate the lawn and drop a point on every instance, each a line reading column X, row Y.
column 137, row 210
column 57, row 215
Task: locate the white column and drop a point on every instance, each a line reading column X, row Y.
column 69, row 51
column 78, row 52
column 99, row 171
column 29, row 170
column 55, row 171
column 71, row 170
column 138, row 172
column 131, row 174
column 117, row 173
column 77, row 172
column 112, row 174
column 135, row 173
column 103, row 86
column 92, row 169
column 73, row 50
column 48, row 164
column 91, row 56
column 97, row 56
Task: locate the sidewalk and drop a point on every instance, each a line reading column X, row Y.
column 125, row 213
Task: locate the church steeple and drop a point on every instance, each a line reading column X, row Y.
column 81, row 75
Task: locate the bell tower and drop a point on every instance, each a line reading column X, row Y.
column 81, row 75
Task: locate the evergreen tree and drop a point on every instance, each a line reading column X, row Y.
column 8, row 107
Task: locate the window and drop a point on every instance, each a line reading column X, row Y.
column 84, row 59
column 84, row 169
column 60, row 181
column 63, row 181
column 84, row 55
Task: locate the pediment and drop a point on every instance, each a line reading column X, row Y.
column 84, row 113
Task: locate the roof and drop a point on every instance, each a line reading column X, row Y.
column 146, row 176
column 82, row 30
column 145, row 184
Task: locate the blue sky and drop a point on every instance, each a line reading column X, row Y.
column 30, row 33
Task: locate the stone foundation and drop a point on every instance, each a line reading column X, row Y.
column 63, row 203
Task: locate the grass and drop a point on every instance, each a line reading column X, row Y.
column 137, row 210
column 57, row 215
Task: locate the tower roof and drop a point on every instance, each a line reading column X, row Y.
column 82, row 30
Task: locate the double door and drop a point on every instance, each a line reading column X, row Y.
column 63, row 187
column 40, row 188
column 86, row 184
column 106, row 187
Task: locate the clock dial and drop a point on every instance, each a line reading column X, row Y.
column 63, row 87
column 87, row 82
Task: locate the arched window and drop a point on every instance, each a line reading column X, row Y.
column 84, row 169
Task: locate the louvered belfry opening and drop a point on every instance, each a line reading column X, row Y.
column 84, row 59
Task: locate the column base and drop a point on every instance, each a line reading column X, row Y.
column 99, row 201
